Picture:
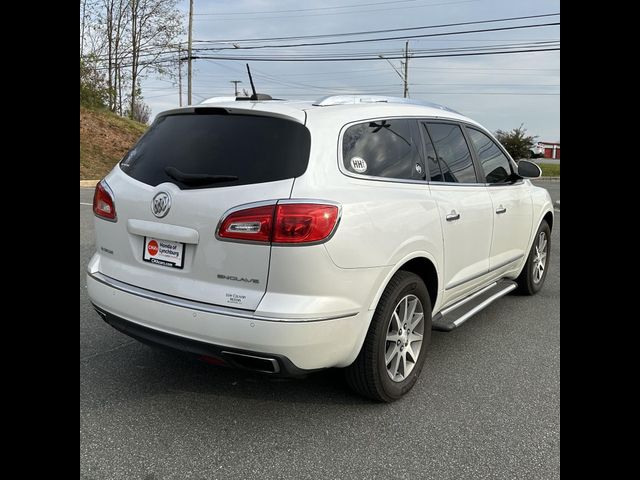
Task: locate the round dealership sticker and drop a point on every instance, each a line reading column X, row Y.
column 152, row 248
column 358, row 164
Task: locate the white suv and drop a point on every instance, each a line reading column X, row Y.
column 287, row 237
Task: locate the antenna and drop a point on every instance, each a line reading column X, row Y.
column 253, row 88
column 256, row 96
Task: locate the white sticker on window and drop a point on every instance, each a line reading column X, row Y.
column 358, row 164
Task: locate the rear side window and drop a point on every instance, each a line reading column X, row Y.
column 215, row 149
column 384, row 148
column 495, row 164
column 452, row 153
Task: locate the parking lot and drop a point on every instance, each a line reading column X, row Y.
column 486, row 405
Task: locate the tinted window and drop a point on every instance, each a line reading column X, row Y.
column 385, row 148
column 453, row 155
column 254, row 149
column 495, row 164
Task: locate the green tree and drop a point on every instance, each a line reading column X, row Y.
column 93, row 90
column 516, row 142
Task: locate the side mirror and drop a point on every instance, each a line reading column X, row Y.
column 529, row 169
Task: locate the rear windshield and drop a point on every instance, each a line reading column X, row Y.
column 254, row 149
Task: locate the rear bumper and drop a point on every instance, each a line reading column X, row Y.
column 256, row 361
column 297, row 346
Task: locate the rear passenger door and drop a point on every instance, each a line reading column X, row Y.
column 465, row 207
column 512, row 210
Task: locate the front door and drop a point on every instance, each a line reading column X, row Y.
column 511, row 201
column 466, row 210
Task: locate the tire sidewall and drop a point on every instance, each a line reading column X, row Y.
column 412, row 285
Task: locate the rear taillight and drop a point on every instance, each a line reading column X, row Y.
column 103, row 204
column 253, row 224
column 304, row 222
column 287, row 223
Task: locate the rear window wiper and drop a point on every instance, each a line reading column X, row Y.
column 197, row 178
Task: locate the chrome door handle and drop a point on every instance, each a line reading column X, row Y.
column 501, row 209
column 453, row 216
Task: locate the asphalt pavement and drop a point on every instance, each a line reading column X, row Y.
column 486, row 405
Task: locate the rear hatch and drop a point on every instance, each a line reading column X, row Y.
column 192, row 167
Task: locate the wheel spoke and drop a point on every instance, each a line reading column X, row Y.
column 409, row 352
column 416, row 320
column 391, row 352
column 396, row 364
column 392, row 337
column 415, row 337
column 397, row 319
column 412, row 310
column 403, row 361
column 406, row 309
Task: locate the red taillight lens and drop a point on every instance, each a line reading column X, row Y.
column 103, row 205
column 283, row 223
column 250, row 224
column 304, row 222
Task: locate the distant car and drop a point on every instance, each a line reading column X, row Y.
column 536, row 151
column 287, row 237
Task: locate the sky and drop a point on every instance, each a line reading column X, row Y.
column 499, row 91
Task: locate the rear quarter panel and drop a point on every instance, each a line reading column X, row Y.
column 382, row 224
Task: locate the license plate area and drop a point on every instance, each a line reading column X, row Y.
column 163, row 252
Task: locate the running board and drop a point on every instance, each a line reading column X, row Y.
column 458, row 313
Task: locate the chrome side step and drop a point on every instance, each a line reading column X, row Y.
column 458, row 313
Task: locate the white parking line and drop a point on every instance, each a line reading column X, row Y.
column 90, row 204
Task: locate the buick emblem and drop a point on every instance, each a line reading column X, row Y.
column 161, row 204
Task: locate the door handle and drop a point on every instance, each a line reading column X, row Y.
column 453, row 216
column 501, row 209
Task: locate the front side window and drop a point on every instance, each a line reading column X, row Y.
column 384, row 148
column 452, row 153
column 495, row 164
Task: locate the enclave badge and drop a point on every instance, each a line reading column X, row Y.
column 161, row 204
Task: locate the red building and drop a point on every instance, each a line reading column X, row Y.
column 551, row 149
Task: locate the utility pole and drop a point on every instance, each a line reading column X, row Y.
column 406, row 69
column 235, row 84
column 180, row 73
column 190, row 38
column 404, row 77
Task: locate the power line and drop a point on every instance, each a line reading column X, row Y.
column 383, row 39
column 441, row 34
column 368, row 10
column 305, row 9
column 378, row 53
column 326, row 35
column 355, row 59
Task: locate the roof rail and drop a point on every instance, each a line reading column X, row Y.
column 354, row 99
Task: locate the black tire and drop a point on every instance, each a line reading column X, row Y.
column 526, row 282
column 368, row 374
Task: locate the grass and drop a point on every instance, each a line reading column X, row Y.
column 104, row 139
column 549, row 170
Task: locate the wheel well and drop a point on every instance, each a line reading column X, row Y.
column 427, row 272
column 549, row 218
